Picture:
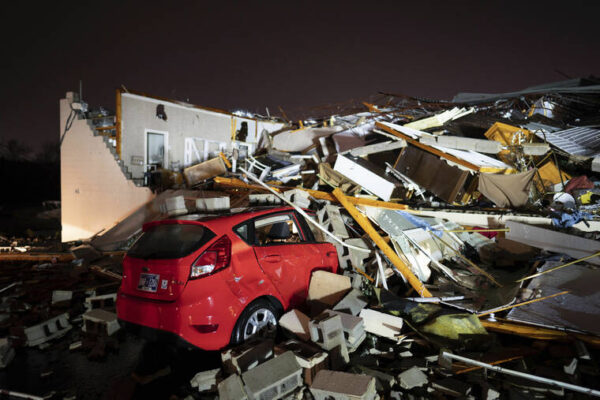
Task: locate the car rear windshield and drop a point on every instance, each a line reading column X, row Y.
column 170, row 241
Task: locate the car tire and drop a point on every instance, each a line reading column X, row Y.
column 258, row 319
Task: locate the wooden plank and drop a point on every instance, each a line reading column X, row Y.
column 60, row 257
column 427, row 148
column 536, row 332
column 381, row 243
column 317, row 194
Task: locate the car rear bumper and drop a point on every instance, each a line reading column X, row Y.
column 206, row 331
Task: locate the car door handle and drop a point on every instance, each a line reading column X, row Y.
column 331, row 254
column 273, row 258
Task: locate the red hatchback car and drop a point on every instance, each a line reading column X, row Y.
column 220, row 280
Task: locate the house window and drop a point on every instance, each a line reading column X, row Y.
column 155, row 149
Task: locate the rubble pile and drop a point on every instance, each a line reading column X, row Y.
column 466, row 234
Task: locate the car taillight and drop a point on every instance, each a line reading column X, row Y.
column 213, row 259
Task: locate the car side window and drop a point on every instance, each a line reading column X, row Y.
column 276, row 229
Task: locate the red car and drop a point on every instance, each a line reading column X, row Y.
column 220, row 280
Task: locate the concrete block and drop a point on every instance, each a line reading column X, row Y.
column 59, row 296
column 296, row 322
column 298, row 197
column 273, row 379
column 311, row 358
column 327, row 331
column 354, row 329
column 264, row 199
column 100, row 322
column 232, row 388
column 381, row 324
column 247, row 355
column 174, row 206
column 412, row 378
column 213, row 204
column 338, row 385
column 102, row 301
column 206, row 381
column 357, row 258
column 7, row 353
column 327, row 288
column 48, row 330
column 352, row 303
column 331, row 217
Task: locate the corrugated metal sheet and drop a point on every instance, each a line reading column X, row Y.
column 576, row 141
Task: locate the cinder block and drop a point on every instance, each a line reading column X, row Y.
column 298, row 197
column 206, row 381
column 264, row 199
column 327, row 331
column 343, row 386
column 273, row 379
column 247, row 355
column 311, row 358
column 102, row 301
column 100, row 322
column 59, row 296
column 296, row 322
column 381, row 324
column 213, row 204
column 51, row 329
column 352, row 303
column 174, row 206
column 412, row 378
column 354, row 329
column 232, row 388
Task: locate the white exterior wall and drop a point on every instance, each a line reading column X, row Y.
column 95, row 194
column 138, row 116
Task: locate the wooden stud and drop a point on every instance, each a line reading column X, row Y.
column 427, row 148
column 381, row 243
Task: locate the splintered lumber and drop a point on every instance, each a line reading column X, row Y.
column 317, row 194
column 427, row 148
column 382, row 244
column 59, row 257
column 536, row 332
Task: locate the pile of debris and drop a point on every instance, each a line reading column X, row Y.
column 466, row 233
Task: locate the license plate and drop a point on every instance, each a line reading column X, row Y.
column 148, row 282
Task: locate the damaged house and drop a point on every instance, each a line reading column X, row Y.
column 109, row 160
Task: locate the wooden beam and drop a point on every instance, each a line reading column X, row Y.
column 381, row 243
column 59, row 257
column 317, row 194
column 427, row 148
column 536, row 332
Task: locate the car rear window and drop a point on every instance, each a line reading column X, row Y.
column 170, row 241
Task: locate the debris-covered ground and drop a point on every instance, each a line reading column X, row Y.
column 467, row 239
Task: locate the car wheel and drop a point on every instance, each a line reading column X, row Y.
column 258, row 319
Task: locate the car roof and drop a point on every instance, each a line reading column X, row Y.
column 229, row 218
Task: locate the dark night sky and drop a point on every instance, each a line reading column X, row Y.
column 269, row 53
